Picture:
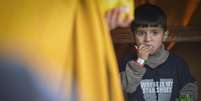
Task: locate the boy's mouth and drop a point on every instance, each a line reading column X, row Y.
column 149, row 45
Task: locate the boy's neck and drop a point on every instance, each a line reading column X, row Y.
column 158, row 57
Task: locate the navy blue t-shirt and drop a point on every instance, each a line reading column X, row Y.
column 162, row 83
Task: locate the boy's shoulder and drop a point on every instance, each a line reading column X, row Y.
column 176, row 59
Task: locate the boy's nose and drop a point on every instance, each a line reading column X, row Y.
column 147, row 37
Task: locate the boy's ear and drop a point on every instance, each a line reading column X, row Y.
column 165, row 36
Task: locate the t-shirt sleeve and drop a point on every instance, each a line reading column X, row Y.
column 187, row 83
column 184, row 73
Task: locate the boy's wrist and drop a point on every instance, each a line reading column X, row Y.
column 141, row 61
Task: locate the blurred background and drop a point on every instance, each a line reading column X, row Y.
column 184, row 26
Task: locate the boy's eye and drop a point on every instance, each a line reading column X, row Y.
column 155, row 32
column 140, row 33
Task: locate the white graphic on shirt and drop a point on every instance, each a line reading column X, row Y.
column 157, row 90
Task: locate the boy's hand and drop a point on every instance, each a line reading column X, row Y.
column 144, row 51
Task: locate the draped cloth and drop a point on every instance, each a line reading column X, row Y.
column 67, row 44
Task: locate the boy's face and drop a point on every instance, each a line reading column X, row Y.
column 149, row 36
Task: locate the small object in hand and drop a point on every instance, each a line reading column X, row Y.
column 184, row 98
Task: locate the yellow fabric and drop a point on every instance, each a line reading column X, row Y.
column 69, row 41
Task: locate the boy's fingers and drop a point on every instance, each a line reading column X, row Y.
column 141, row 46
column 145, row 50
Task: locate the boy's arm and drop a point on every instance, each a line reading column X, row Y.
column 132, row 76
column 190, row 89
column 187, row 82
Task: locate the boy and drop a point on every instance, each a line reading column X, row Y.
column 152, row 73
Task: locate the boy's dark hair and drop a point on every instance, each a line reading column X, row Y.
column 149, row 15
